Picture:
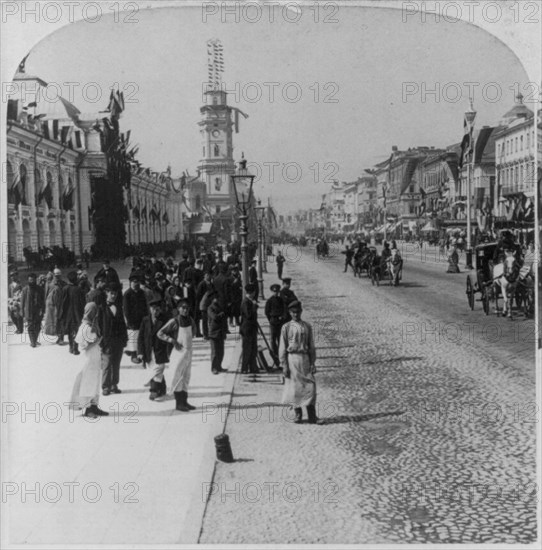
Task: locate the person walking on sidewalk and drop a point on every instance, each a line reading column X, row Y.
column 72, row 308
column 253, row 278
column 218, row 328
column 249, row 330
column 349, row 254
column 86, row 389
column 135, row 308
column 53, row 297
column 153, row 351
column 114, row 339
column 201, row 301
column 275, row 311
column 179, row 332
column 33, row 308
column 297, row 354
column 280, row 260
column 288, row 296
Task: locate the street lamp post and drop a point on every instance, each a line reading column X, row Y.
column 260, row 213
column 470, row 115
column 242, row 183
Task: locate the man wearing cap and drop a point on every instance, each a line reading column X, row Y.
column 218, row 328
column 153, row 351
column 72, row 308
column 53, row 298
column 114, row 339
column 110, row 274
column 276, row 314
column 249, row 330
column 287, row 296
column 297, row 355
column 32, row 308
column 135, row 308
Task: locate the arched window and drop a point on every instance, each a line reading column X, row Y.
column 516, row 149
column 203, row 150
column 218, row 184
column 217, row 150
column 215, row 101
column 521, row 143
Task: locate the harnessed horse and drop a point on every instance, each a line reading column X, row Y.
column 505, row 275
column 395, row 265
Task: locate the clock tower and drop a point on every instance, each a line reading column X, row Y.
column 217, row 164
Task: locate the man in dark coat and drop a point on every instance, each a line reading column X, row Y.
column 114, row 339
column 110, row 274
column 280, row 264
column 249, row 330
column 218, row 328
column 349, row 254
column 222, row 284
column 33, row 308
column 201, row 290
column 276, row 313
column 72, row 307
column 134, row 304
column 184, row 264
column 253, row 278
column 236, row 298
column 153, row 351
column 97, row 294
column 287, row 296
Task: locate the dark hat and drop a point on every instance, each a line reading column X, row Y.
column 274, row 288
column 250, row 287
column 159, row 275
column 72, row 276
column 13, row 273
column 294, row 305
column 106, row 261
column 155, row 302
column 287, row 280
column 254, row 261
column 112, row 287
column 135, row 277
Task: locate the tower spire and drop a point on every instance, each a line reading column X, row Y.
column 215, row 63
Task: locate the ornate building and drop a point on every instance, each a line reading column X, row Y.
column 60, row 165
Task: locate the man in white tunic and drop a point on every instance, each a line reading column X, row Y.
column 297, row 355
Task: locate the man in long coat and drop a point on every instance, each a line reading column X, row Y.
column 276, row 313
column 114, row 339
column 53, row 297
column 135, row 308
column 153, row 351
column 297, row 354
column 249, row 330
column 72, row 308
column 33, row 308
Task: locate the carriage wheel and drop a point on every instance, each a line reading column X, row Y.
column 485, row 301
column 470, row 292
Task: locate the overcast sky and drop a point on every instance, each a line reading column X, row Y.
column 352, row 77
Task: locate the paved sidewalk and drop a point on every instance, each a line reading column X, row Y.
column 134, row 477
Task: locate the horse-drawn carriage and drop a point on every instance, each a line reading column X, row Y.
column 385, row 267
column 499, row 279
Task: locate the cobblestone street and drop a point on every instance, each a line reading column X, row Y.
column 429, row 422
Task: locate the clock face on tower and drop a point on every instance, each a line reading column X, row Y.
column 215, row 133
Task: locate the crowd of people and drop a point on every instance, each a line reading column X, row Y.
column 155, row 320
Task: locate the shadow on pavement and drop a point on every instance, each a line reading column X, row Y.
column 343, row 418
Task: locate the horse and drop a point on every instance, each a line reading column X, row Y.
column 395, row 266
column 505, row 276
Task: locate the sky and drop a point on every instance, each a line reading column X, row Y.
column 344, row 92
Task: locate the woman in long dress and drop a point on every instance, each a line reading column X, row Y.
column 179, row 332
column 86, row 390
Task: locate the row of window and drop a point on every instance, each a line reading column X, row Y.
column 18, row 185
column 515, row 145
column 519, row 176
